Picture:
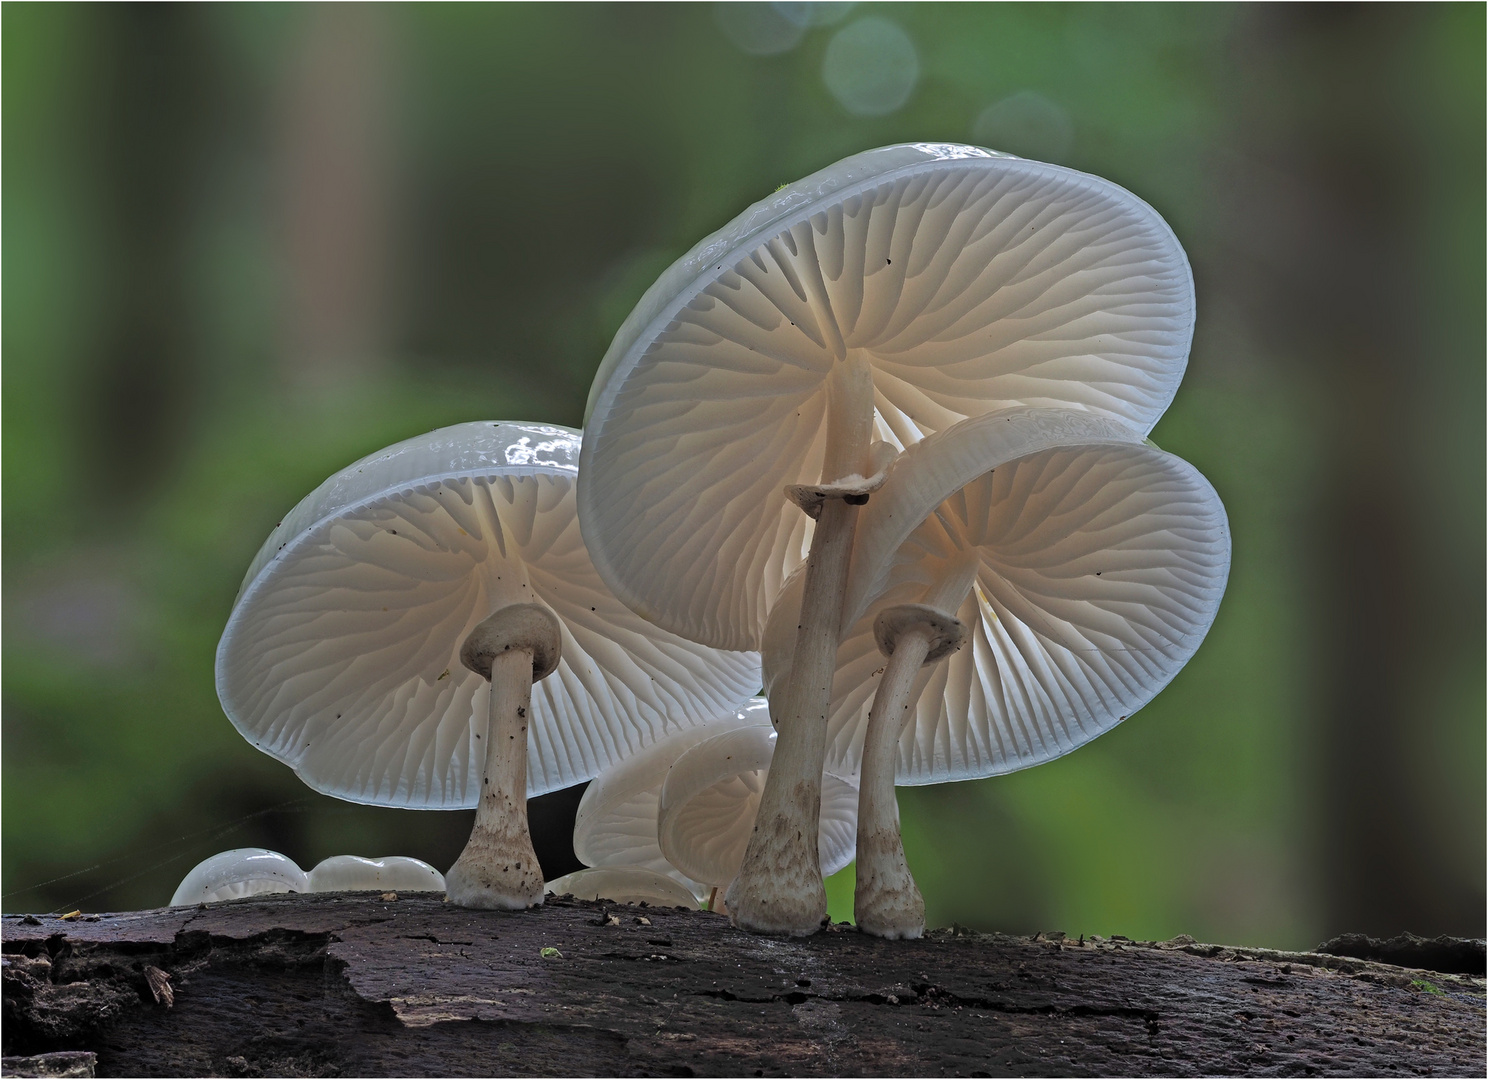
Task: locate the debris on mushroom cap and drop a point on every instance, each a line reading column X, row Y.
column 708, row 804
column 353, row 873
column 967, row 281
column 1099, row 566
column 229, row 875
column 342, row 654
column 624, row 885
column 616, row 820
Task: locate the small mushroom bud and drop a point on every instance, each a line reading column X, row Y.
column 352, row 873
column 229, row 875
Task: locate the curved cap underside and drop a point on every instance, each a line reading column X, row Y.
column 342, row 656
column 1091, row 576
column 616, row 821
column 711, row 797
column 480, row 447
column 967, row 282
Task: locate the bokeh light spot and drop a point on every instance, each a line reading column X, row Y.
column 760, row 29
column 871, row 66
column 809, row 13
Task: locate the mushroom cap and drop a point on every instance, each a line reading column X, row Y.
column 970, row 281
column 711, row 796
column 352, row 873
column 342, row 654
column 1099, row 562
column 624, row 885
column 240, row 872
column 616, row 820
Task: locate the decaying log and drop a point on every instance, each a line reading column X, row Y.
column 375, row 985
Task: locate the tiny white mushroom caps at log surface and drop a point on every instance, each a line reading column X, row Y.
column 616, row 820
column 885, row 297
column 1086, row 566
column 709, row 800
column 624, row 885
column 353, row 873
column 342, row 655
column 229, row 875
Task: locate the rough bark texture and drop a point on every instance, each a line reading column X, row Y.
column 366, row 985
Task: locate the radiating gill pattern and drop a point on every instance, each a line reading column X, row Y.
column 705, row 826
column 718, row 824
column 616, row 824
column 345, row 658
column 1098, row 571
column 837, row 841
column 981, row 284
column 712, row 835
column 626, row 837
column 462, row 449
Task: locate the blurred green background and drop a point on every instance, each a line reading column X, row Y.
column 246, row 245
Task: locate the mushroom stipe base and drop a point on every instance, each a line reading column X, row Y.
column 779, row 887
column 886, row 901
column 499, row 868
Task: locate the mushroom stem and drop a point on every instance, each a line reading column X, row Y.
column 886, row 901
column 779, row 886
column 849, row 419
column 513, row 648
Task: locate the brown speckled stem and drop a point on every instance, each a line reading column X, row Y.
column 886, row 901
column 779, row 886
column 498, row 868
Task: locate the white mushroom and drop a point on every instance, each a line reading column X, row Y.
column 851, row 313
column 685, row 806
column 229, row 875
column 624, row 885
column 1082, row 569
column 711, row 796
column 616, row 820
column 352, row 873
column 361, row 644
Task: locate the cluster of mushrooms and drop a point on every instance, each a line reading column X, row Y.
column 877, row 446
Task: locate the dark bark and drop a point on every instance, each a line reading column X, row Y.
column 359, row 985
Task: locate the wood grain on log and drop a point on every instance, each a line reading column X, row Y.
column 362, row 985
